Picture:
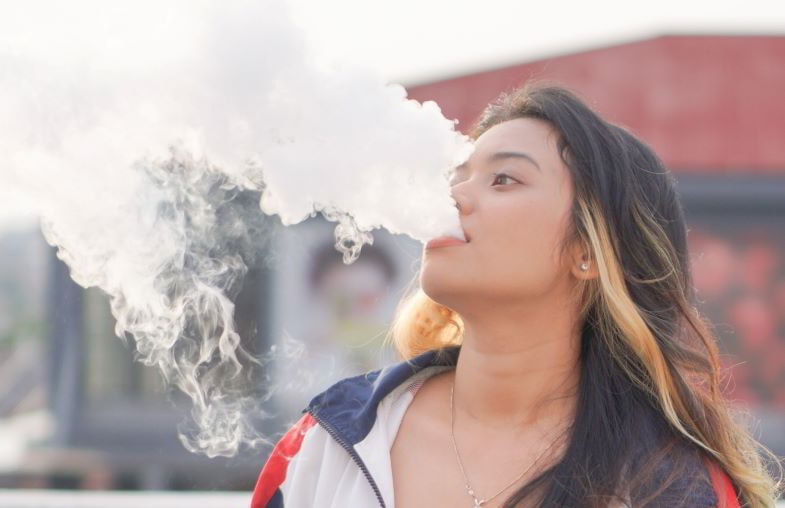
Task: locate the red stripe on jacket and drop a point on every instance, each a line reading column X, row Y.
column 723, row 487
column 274, row 472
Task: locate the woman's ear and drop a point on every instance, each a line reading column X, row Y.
column 582, row 265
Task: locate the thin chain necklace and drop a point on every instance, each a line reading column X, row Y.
column 478, row 501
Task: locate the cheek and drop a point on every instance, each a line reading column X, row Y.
column 523, row 246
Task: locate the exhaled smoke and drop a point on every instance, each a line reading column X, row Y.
column 172, row 253
column 146, row 140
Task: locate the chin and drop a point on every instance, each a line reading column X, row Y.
column 442, row 288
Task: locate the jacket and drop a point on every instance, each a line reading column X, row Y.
column 337, row 454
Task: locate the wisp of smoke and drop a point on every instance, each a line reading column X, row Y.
column 147, row 138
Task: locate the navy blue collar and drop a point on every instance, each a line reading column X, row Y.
column 349, row 406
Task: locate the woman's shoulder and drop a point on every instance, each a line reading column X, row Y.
column 340, row 418
column 679, row 474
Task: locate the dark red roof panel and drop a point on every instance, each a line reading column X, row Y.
column 704, row 103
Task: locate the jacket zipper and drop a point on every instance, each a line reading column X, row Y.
column 353, row 454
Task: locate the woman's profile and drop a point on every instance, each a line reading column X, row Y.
column 555, row 358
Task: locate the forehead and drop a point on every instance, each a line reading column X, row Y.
column 530, row 135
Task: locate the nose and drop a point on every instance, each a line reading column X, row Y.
column 462, row 201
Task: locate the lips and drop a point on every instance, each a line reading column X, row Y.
column 447, row 241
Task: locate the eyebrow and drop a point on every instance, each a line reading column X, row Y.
column 506, row 155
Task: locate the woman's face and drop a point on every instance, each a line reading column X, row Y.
column 514, row 196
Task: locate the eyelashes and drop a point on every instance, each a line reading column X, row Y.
column 502, row 179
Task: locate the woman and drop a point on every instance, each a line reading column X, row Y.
column 554, row 357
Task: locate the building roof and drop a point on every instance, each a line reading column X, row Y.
column 704, row 103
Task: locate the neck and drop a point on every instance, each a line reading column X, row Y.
column 518, row 367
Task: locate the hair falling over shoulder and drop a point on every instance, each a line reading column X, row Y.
column 642, row 334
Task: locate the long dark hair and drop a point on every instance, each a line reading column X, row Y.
column 650, row 413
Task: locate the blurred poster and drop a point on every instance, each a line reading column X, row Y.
column 330, row 320
column 739, row 273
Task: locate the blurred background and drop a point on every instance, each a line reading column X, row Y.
column 76, row 411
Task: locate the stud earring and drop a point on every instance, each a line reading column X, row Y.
column 584, row 266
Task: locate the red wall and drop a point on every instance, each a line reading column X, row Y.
column 704, row 103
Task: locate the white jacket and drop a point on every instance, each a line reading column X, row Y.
column 338, row 454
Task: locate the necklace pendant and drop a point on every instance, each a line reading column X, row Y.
column 478, row 502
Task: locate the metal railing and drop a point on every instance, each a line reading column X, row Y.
column 129, row 499
column 12, row 498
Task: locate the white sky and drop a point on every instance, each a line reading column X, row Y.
column 413, row 41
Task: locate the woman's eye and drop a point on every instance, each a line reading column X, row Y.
column 502, row 179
